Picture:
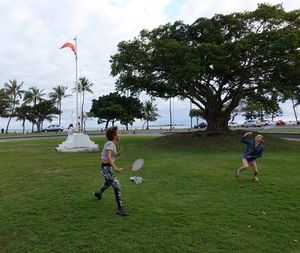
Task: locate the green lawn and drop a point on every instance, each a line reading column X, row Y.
column 188, row 202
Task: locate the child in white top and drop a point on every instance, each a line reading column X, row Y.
column 108, row 167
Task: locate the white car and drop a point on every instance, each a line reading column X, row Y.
column 252, row 123
column 268, row 123
column 291, row 123
column 233, row 124
column 53, row 128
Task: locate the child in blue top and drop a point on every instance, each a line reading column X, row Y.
column 253, row 151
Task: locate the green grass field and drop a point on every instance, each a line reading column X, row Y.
column 189, row 200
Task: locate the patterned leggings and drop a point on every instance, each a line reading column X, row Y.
column 111, row 180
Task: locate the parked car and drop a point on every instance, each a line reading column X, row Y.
column 234, row 124
column 201, row 125
column 291, row 123
column 268, row 123
column 252, row 123
column 280, row 123
column 53, row 128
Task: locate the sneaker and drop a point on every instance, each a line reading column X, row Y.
column 122, row 212
column 255, row 179
column 97, row 195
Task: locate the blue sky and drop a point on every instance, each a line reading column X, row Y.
column 32, row 32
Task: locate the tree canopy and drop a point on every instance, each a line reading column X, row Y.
column 114, row 107
column 214, row 62
column 45, row 110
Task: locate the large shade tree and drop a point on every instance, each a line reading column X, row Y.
column 215, row 63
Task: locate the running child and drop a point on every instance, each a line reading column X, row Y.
column 108, row 168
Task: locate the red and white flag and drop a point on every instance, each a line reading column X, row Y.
column 70, row 45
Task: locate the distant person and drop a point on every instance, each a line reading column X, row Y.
column 70, row 129
column 253, row 151
column 108, row 167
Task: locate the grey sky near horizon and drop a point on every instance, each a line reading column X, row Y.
column 32, row 32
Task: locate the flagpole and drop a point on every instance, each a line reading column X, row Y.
column 76, row 86
column 79, row 142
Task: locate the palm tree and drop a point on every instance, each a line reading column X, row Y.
column 84, row 85
column 57, row 95
column 149, row 112
column 33, row 95
column 14, row 92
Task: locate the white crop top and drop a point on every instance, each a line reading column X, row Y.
column 109, row 146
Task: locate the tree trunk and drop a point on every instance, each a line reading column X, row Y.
column 59, row 115
column 23, row 125
column 170, row 111
column 39, row 126
column 7, row 126
column 216, row 119
column 81, row 115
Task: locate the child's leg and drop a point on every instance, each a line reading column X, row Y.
column 255, row 170
column 104, row 186
column 107, row 174
column 117, row 190
column 244, row 166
